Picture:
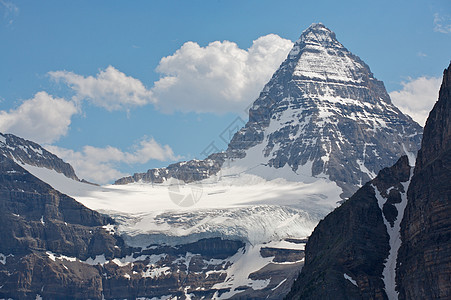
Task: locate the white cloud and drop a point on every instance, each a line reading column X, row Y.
column 101, row 165
column 10, row 11
column 417, row 97
column 442, row 23
column 217, row 78
column 43, row 119
column 110, row 88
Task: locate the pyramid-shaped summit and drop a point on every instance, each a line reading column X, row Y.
column 319, row 55
column 322, row 115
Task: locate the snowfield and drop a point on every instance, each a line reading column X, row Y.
column 230, row 205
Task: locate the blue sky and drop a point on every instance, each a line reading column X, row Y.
column 116, row 87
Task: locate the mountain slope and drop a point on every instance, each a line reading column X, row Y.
column 393, row 237
column 30, row 153
column 322, row 115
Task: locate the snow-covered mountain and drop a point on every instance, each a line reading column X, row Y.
column 322, row 115
column 321, row 127
column 324, row 109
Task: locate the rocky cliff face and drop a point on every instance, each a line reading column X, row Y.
column 346, row 252
column 30, row 153
column 323, row 114
column 424, row 263
column 36, row 220
column 392, row 238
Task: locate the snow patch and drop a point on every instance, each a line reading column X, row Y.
column 389, row 272
column 3, row 258
column 346, row 276
column 410, row 155
column 109, row 228
column 246, row 261
column 156, row 272
column 277, row 286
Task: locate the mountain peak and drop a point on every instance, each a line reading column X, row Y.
column 318, row 34
column 315, row 36
column 318, row 55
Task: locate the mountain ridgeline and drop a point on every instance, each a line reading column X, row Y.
column 392, row 238
column 322, row 109
column 30, row 153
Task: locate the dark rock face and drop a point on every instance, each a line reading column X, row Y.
column 35, row 219
column 353, row 239
column 322, row 106
column 34, row 215
column 424, row 262
column 30, row 153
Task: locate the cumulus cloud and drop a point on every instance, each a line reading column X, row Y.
column 110, row 88
column 417, row 97
column 43, row 119
column 442, row 23
column 101, row 165
column 217, row 78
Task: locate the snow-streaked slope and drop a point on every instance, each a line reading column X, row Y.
column 238, row 206
column 322, row 114
column 389, row 272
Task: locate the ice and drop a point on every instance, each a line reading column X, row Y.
column 233, row 205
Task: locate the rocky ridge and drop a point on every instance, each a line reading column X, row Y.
column 30, row 153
